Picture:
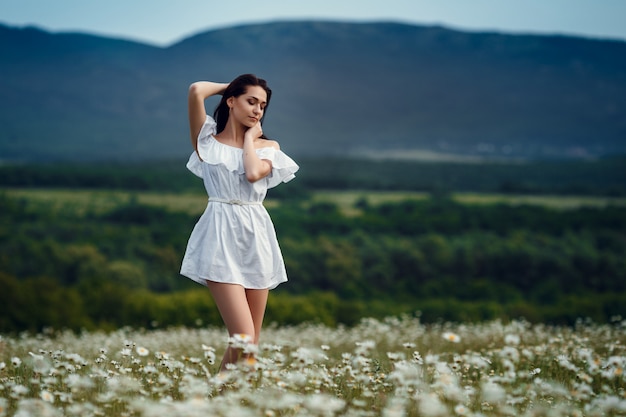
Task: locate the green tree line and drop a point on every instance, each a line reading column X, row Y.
column 604, row 176
column 66, row 268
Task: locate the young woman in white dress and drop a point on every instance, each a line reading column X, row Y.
column 233, row 248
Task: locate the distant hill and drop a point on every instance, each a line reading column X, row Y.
column 338, row 88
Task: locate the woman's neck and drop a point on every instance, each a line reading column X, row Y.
column 233, row 134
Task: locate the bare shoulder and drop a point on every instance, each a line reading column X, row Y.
column 266, row 143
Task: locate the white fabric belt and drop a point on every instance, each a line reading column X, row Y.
column 235, row 202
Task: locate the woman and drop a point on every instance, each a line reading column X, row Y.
column 233, row 248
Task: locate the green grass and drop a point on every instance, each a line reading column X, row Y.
column 98, row 201
column 347, row 199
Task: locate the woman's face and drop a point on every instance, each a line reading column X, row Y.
column 249, row 107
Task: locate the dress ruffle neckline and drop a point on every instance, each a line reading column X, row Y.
column 213, row 152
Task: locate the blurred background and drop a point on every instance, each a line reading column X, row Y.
column 459, row 160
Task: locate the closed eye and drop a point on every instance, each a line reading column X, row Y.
column 253, row 100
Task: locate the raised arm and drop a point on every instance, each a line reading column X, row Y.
column 255, row 167
column 198, row 92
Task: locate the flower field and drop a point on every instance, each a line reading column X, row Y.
column 391, row 368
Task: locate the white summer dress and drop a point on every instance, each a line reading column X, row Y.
column 234, row 240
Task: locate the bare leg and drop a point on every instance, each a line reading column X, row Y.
column 242, row 311
column 257, row 301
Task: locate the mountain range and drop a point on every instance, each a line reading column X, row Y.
column 378, row 89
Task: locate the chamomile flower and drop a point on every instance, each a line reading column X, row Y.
column 19, row 390
column 240, row 339
column 512, row 339
column 417, row 358
column 46, row 396
column 209, row 355
column 452, row 337
column 431, row 406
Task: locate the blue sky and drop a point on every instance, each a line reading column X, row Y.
column 162, row 22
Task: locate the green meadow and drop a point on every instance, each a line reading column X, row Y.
column 376, row 368
column 84, row 200
column 470, row 297
column 544, row 241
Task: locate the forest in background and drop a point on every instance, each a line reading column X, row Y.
column 68, row 265
column 599, row 176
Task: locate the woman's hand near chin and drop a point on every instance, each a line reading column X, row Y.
column 254, row 132
column 255, row 167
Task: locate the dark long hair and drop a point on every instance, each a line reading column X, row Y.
column 236, row 88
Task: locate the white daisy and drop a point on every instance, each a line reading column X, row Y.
column 452, row 337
